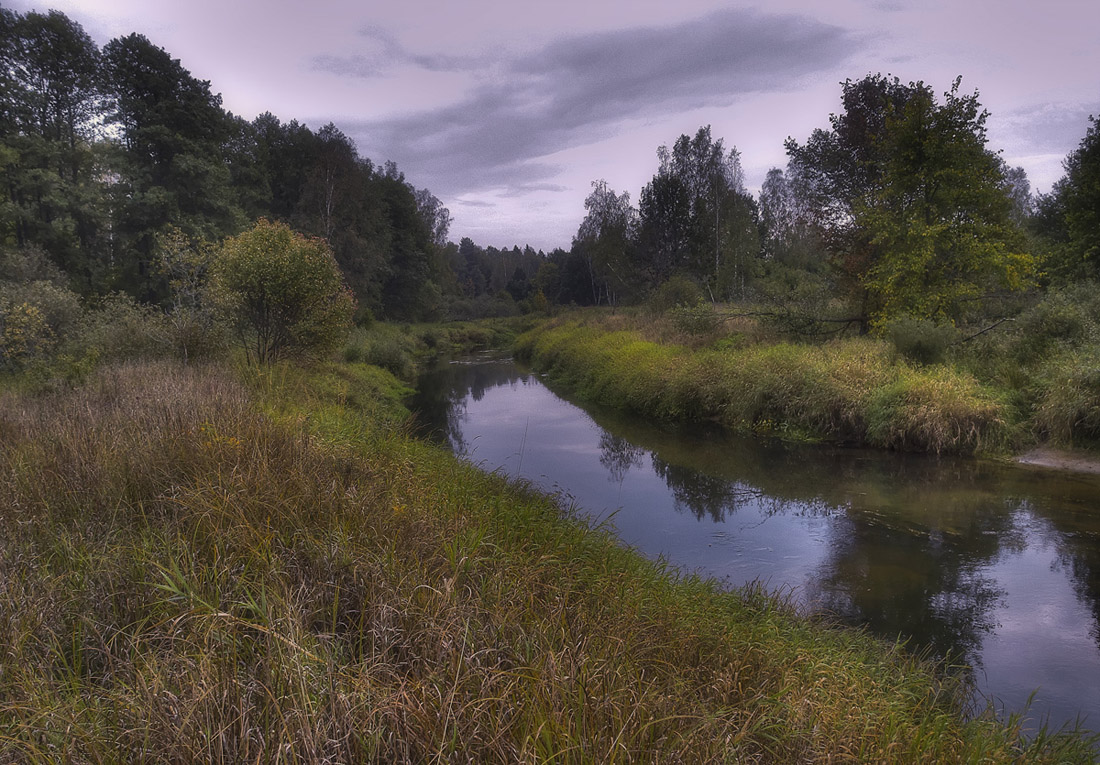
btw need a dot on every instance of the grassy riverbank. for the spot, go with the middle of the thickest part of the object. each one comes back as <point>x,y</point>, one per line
<point>855,390</point>
<point>197,567</point>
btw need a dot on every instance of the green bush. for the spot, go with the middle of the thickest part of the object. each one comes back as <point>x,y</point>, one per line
<point>391,354</point>
<point>1061,320</point>
<point>677,291</point>
<point>25,335</point>
<point>282,292</point>
<point>920,340</point>
<point>697,319</point>
<point>119,328</point>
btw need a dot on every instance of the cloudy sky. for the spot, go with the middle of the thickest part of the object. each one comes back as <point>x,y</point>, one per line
<point>508,109</point>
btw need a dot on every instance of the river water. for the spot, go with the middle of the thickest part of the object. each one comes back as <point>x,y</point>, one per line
<point>992,565</point>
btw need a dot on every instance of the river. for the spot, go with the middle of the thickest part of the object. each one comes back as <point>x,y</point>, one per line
<point>996,567</point>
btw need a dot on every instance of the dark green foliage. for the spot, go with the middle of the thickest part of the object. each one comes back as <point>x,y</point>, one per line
<point>604,241</point>
<point>1068,220</point>
<point>920,340</point>
<point>698,318</point>
<point>174,159</point>
<point>915,209</point>
<point>173,166</point>
<point>677,291</point>
<point>695,217</point>
<point>50,100</point>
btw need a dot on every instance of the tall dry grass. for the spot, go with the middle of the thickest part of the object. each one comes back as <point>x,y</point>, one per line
<point>199,570</point>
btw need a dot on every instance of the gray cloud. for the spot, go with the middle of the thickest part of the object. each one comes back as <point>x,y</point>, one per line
<point>577,90</point>
<point>385,53</point>
<point>1050,128</point>
<point>528,188</point>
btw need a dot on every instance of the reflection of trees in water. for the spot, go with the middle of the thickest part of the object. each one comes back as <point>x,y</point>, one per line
<point>926,586</point>
<point>619,455</point>
<point>909,535</point>
<point>704,496</point>
<point>1084,565</point>
<point>439,405</point>
<point>1071,507</point>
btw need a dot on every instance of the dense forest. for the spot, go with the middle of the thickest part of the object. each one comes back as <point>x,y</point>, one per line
<point>897,209</point>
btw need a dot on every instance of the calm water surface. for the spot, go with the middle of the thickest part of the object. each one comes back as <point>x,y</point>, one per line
<point>994,565</point>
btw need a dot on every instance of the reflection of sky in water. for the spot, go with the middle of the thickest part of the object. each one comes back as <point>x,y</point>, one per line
<point>525,430</point>
<point>946,554</point>
<point>1044,635</point>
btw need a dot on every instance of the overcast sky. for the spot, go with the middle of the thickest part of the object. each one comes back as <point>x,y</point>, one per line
<point>508,110</point>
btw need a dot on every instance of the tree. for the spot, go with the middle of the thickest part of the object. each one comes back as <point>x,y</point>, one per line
<point>51,105</point>
<point>171,166</point>
<point>913,207</point>
<point>664,220</point>
<point>941,222</point>
<point>283,293</point>
<point>1081,199</point>
<point>695,216</point>
<point>603,239</point>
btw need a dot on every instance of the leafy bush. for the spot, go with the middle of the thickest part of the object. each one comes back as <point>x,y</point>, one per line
<point>385,346</point>
<point>697,319</point>
<point>25,335</point>
<point>60,306</point>
<point>920,340</point>
<point>677,291</point>
<point>119,328</point>
<point>1061,320</point>
<point>29,265</point>
<point>283,293</point>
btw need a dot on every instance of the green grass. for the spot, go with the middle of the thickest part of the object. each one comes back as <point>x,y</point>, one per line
<point>855,390</point>
<point>208,565</point>
<point>399,348</point>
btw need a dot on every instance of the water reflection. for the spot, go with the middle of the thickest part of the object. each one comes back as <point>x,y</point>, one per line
<point>991,565</point>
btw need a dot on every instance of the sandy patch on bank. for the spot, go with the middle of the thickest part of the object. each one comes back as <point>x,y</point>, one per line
<point>1061,459</point>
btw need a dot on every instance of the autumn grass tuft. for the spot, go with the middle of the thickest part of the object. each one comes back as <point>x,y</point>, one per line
<point>208,565</point>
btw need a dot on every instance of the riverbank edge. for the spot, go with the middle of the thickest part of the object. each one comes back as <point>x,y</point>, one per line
<point>851,392</point>
<point>227,515</point>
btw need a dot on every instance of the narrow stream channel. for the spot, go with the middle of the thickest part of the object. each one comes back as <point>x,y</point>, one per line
<point>993,565</point>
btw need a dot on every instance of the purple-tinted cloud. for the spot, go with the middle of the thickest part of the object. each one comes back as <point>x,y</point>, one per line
<point>577,90</point>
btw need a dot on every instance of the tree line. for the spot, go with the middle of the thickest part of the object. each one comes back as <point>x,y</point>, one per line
<point>897,208</point>
<point>104,150</point>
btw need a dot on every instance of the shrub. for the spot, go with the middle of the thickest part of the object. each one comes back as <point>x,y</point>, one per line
<point>677,291</point>
<point>29,265</point>
<point>119,328</point>
<point>697,319</point>
<point>1061,320</point>
<point>282,292</point>
<point>24,335</point>
<point>920,340</point>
